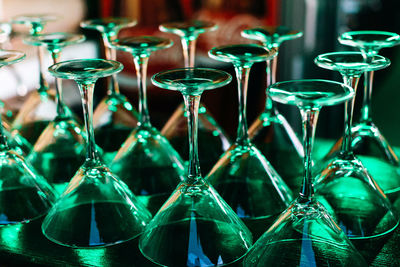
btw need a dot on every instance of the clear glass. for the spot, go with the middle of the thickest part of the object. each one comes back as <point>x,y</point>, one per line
<point>60,149</point>
<point>242,175</point>
<point>305,234</point>
<point>368,143</point>
<point>195,227</point>
<point>24,194</point>
<point>40,108</point>
<point>146,162</point>
<point>213,141</point>
<point>270,132</point>
<point>356,201</point>
<point>114,117</point>
<point>96,209</point>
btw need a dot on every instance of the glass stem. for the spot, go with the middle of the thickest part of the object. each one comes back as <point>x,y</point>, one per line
<point>43,85</point>
<point>141,73</point>
<point>271,79</point>
<point>189,48</point>
<point>55,54</point>
<point>113,87</point>
<point>192,103</point>
<point>348,116</point>
<point>35,30</point>
<point>86,89</point>
<point>366,105</point>
<point>3,140</point>
<point>309,116</point>
<point>242,75</point>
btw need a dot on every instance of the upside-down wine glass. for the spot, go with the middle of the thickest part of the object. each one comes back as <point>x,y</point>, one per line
<point>147,162</point>
<point>39,109</point>
<point>212,139</point>
<point>60,149</point>
<point>353,198</point>
<point>270,132</point>
<point>96,209</point>
<point>305,233</point>
<point>24,194</point>
<point>114,117</point>
<point>195,227</point>
<point>15,141</point>
<point>368,143</point>
<point>243,176</point>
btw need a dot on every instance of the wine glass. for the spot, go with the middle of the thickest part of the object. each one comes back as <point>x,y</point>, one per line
<point>24,194</point>
<point>213,141</point>
<point>195,227</point>
<point>146,162</point>
<point>114,117</point>
<point>96,209</point>
<point>368,143</point>
<point>60,149</point>
<point>305,234</point>
<point>354,198</point>
<point>39,109</point>
<point>243,176</point>
<point>270,132</point>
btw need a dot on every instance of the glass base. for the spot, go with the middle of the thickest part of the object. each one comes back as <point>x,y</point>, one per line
<point>59,152</point>
<point>376,155</point>
<point>304,235</point>
<point>36,113</point>
<point>149,165</point>
<point>249,184</point>
<point>113,120</point>
<point>195,227</point>
<point>95,210</point>
<point>24,195</point>
<point>212,140</point>
<point>275,138</point>
<point>354,199</point>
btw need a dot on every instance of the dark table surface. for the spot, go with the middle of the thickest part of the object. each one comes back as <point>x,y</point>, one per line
<point>25,245</point>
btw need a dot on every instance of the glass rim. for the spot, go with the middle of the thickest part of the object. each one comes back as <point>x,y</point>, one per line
<point>116,67</point>
<point>340,98</point>
<point>177,86</point>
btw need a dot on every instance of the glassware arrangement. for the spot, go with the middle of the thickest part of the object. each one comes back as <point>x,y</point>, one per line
<point>195,227</point>
<point>96,209</point>
<point>270,132</point>
<point>213,140</point>
<point>24,194</point>
<point>354,198</point>
<point>60,149</point>
<point>114,117</point>
<point>368,143</point>
<point>39,109</point>
<point>146,162</point>
<point>243,176</point>
<point>305,234</point>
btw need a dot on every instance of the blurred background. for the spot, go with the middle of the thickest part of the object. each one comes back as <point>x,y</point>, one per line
<point>321,21</point>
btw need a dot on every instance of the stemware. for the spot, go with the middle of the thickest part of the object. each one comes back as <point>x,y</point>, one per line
<point>305,234</point>
<point>354,198</point>
<point>39,109</point>
<point>114,117</point>
<point>368,143</point>
<point>146,162</point>
<point>195,227</point>
<point>60,149</point>
<point>243,176</point>
<point>24,194</point>
<point>213,141</point>
<point>96,209</point>
<point>270,132</point>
